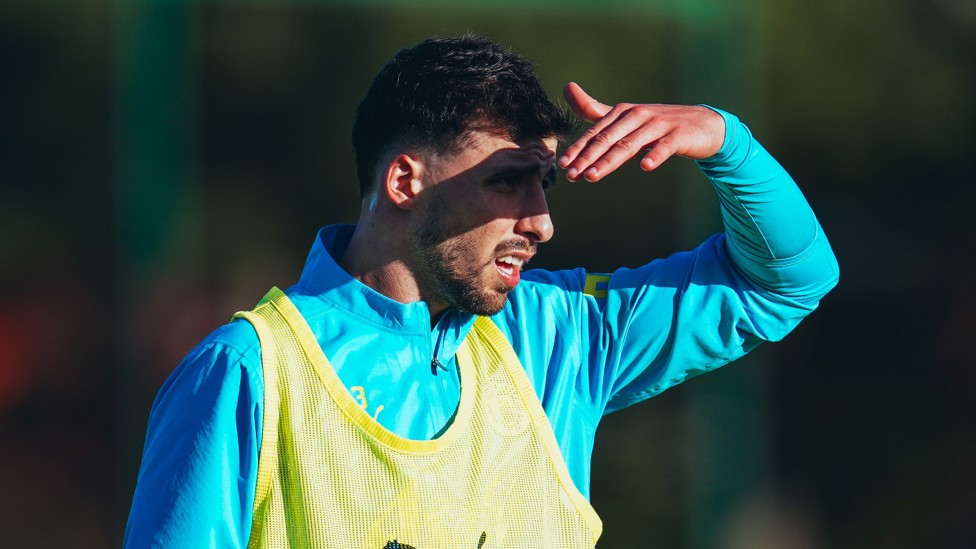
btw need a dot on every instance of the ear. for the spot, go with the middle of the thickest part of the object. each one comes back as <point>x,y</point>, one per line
<point>404,180</point>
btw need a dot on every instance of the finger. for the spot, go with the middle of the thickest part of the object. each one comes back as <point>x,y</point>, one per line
<point>586,107</point>
<point>589,109</point>
<point>660,150</point>
<point>569,155</point>
<point>622,139</point>
<point>643,137</point>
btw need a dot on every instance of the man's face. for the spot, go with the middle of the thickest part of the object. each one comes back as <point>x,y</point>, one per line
<point>480,219</point>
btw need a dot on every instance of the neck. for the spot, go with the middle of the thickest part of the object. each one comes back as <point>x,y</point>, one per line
<point>377,257</point>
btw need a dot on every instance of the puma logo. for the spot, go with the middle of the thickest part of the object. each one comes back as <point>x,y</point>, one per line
<point>397,545</point>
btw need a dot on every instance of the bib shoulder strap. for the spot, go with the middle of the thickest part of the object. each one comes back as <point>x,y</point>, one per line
<point>264,317</point>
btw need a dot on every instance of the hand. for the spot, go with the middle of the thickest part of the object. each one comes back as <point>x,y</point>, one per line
<point>620,132</point>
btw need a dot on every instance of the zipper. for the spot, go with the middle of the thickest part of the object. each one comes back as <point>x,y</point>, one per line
<point>435,363</point>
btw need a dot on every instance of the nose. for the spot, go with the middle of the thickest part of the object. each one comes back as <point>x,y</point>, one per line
<point>535,223</point>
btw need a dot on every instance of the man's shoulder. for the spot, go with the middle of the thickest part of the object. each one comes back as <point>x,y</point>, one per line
<point>237,336</point>
<point>542,281</point>
<point>228,360</point>
<point>542,300</point>
<point>571,285</point>
<point>231,346</point>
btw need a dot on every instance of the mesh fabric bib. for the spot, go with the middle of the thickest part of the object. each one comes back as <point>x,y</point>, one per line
<point>330,476</point>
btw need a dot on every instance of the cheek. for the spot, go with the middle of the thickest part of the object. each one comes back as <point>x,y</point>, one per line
<point>484,224</point>
<point>471,252</point>
<point>490,233</point>
<point>498,213</point>
<point>481,219</point>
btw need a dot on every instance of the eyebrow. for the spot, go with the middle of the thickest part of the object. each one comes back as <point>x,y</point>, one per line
<point>548,180</point>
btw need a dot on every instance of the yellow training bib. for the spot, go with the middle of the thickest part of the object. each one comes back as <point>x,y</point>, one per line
<point>330,476</point>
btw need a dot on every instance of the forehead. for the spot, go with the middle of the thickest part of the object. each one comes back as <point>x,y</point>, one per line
<point>489,150</point>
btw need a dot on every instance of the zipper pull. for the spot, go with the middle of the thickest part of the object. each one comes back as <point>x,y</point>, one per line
<point>435,364</point>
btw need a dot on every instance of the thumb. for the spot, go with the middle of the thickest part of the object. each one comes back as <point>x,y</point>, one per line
<point>586,107</point>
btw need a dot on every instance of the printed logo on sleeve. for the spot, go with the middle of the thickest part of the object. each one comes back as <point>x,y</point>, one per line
<point>596,285</point>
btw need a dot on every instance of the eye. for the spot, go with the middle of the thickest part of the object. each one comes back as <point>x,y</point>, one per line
<point>507,183</point>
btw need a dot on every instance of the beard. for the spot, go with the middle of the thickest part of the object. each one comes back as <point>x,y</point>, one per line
<point>450,269</point>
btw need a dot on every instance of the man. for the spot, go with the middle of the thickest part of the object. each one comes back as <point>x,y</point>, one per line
<point>417,387</point>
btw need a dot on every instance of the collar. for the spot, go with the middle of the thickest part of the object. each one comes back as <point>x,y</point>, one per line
<point>323,278</point>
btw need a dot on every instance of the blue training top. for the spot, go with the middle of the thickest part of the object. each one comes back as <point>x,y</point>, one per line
<point>590,344</point>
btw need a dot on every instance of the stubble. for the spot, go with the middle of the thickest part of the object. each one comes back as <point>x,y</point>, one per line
<point>449,264</point>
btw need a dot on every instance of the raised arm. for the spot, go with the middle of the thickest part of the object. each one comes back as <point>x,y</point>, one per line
<point>671,319</point>
<point>769,224</point>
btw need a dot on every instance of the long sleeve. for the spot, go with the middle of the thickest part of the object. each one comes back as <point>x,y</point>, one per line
<point>695,311</point>
<point>196,482</point>
<point>774,238</point>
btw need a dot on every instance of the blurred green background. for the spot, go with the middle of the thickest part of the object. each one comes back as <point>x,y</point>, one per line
<point>163,163</point>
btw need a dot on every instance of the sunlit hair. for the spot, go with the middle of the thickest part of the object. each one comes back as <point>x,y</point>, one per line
<point>431,96</point>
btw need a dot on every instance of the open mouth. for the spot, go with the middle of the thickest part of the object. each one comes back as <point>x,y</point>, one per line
<point>510,268</point>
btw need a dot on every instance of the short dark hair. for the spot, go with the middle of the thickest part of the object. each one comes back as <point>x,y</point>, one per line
<point>436,93</point>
